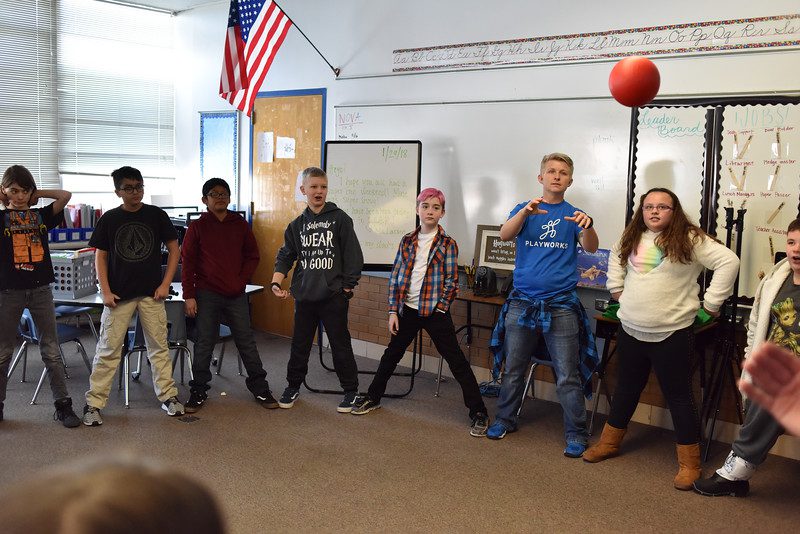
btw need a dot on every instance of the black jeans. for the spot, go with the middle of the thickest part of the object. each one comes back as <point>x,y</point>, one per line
<point>333,314</point>
<point>211,309</point>
<point>670,361</point>
<point>440,327</point>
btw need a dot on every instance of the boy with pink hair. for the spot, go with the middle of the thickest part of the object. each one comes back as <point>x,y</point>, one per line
<point>422,287</point>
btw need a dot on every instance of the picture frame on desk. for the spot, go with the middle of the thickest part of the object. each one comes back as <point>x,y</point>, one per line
<point>491,251</point>
<point>593,268</point>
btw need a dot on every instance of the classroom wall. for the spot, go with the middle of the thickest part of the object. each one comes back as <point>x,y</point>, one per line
<point>359,36</point>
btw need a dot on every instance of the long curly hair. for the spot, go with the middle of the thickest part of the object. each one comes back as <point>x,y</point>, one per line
<point>677,240</point>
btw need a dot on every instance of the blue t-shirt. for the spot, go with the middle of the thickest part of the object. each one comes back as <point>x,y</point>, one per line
<point>547,253</point>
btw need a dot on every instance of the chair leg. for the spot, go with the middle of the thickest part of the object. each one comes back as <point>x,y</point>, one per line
<point>39,386</point>
<point>528,385</point>
<point>594,404</point>
<point>221,357</point>
<point>126,365</point>
<point>91,326</point>
<point>85,356</point>
<point>63,362</point>
<point>239,363</point>
<point>22,353</point>
<point>439,378</point>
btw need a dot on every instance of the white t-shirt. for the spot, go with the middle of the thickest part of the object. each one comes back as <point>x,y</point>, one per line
<point>424,242</point>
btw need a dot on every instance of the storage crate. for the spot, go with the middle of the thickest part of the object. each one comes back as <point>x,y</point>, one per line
<point>75,274</point>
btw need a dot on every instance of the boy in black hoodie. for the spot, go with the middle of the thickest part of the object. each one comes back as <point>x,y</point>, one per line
<point>329,262</point>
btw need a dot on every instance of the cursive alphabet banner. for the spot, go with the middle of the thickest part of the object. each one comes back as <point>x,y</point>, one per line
<point>697,38</point>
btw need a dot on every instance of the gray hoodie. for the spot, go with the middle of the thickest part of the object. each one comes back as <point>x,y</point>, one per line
<point>327,253</point>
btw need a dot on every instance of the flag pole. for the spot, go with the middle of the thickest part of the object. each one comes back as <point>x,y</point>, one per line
<point>335,70</point>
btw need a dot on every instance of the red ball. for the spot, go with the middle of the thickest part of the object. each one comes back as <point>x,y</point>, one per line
<point>634,81</point>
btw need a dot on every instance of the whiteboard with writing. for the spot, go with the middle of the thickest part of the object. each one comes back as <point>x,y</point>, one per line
<point>376,183</point>
<point>485,156</point>
<point>760,172</point>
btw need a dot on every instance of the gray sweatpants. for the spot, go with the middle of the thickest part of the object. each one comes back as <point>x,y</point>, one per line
<point>758,434</point>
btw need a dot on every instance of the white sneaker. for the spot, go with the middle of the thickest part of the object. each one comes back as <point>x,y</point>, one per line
<point>173,407</point>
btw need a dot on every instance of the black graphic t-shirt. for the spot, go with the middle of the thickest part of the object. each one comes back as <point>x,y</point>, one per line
<point>133,242</point>
<point>24,252</point>
<point>784,317</point>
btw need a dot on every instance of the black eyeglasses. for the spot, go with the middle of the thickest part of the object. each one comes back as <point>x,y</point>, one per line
<point>131,188</point>
<point>215,194</point>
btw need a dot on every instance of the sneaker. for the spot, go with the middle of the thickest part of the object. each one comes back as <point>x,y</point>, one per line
<point>717,486</point>
<point>65,414</point>
<point>364,405</point>
<point>289,396</point>
<point>91,416</point>
<point>498,430</point>
<point>479,425</point>
<point>346,406</point>
<point>574,449</point>
<point>172,406</point>
<point>267,400</point>
<point>196,401</point>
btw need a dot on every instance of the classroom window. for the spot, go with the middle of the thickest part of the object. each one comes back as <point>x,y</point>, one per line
<point>116,94</point>
<point>28,126</point>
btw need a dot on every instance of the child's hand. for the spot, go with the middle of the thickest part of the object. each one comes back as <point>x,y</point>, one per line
<point>279,292</point>
<point>394,324</point>
<point>35,196</point>
<point>110,300</point>
<point>581,219</point>
<point>190,307</point>
<point>161,292</point>
<point>533,207</point>
<point>3,198</point>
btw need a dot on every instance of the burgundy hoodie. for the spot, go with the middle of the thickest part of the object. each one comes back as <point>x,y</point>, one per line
<point>219,256</point>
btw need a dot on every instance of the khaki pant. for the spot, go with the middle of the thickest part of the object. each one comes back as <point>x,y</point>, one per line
<point>114,329</point>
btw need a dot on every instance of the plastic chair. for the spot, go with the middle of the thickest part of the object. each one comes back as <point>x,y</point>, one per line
<point>77,311</point>
<point>30,336</point>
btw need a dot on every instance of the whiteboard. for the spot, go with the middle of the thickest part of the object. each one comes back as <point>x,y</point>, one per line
<point>670,153</point>
<point>376,183</point>
<point>485,156</point>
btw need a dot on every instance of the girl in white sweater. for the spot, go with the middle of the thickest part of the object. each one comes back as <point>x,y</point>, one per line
<point>653,273</point>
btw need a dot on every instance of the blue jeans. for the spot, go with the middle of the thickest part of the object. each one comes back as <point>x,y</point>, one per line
<point>39,301</point>
<point>563,345</point>
<point>213,308</point>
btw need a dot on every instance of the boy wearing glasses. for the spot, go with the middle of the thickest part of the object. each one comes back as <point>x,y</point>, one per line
<point>128,241</point>
<point>219,255</point>
<point>544,306</point>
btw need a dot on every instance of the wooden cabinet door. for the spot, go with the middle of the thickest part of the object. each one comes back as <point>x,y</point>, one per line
<point>299,117</point>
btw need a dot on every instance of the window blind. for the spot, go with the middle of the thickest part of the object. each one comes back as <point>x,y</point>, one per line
<point>115,89</point>
<point>28,125</point>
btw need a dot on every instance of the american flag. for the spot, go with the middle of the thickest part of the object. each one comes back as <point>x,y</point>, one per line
<point>256,30</point>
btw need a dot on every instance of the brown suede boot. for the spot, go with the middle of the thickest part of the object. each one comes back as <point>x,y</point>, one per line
<point>689,466</point>
<point>607,447</point>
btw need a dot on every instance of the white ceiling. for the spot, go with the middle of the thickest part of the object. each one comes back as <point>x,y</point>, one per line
<point>174,5</point>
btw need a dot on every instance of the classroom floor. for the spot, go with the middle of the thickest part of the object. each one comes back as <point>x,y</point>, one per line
<point>409,467</point>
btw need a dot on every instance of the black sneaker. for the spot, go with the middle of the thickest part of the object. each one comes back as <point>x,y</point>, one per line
<point>479,425</point>
<point>717,486</point>
<point>364,405</point>
<point>289,396</point>
<point>1,411</point>
<point>267,400</point>
<point>196,401</point>
<point>346,406</point>
<point>65,414</point>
